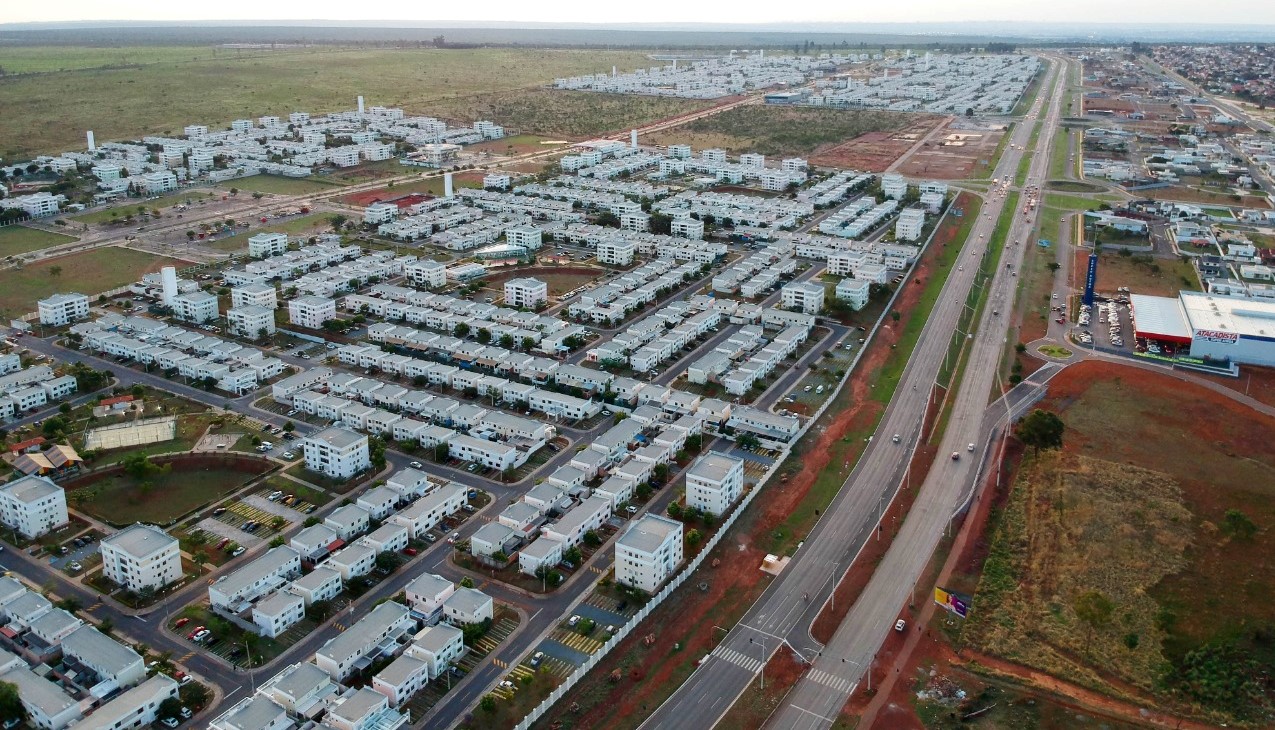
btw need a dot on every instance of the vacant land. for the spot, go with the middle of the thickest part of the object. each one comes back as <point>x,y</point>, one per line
<point>1197,195</point>
<point>780,130</point>
<point>281,185</point>
<point>1141,273</point>
<point>131,206</point>
<point>1137,561</point>
<point>956,153</point>
<point>301,225</point>
<point>46,59</point>
<point>88,272</point>
<point>570,114</point>
<point>119,103</point>
<point>20,239</point>
<point>158,499</point>
<point>429,186</point>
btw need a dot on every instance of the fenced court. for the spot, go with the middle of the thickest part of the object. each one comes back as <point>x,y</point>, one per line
<point>139,433</point>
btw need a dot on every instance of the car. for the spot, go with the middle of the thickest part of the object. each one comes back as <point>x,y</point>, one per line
<point>631,509</point>
<point>169,722</point>
<point>568,565</point>
<point>75,566</point>
<point>293,412</point>
<point>185,680</point>
<point>452,538</point>
<point>956,456</point>
<point>410,551</point>
<point>900,625</point>
<point>970,448</point>
<point>289,455</point>
<point>431,537</point>
<point>415,465</point>
<point>186,713</point>
<point>807,389</point>
<point>896,438</point>
<point>181,622</point>
<point>471,468</point>
<point>1054,295</point>
<point>536,659</point>
<point>238,551</point>
<point>469,508</point>
<point>575,619</point>
<point>819,389</point>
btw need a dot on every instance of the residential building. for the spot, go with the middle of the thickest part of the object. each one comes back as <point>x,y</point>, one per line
<point>141,557</point>
<point>251,322</point>
<point>438,646</point>
<point>467,606</point>
<point>265,245</point>
<point>302,690</point>
<point>110,660</point>
<point>854,291</point>
<point>714,482</point>
<point>196,307</point>
<point>61,309</point>
<point>648,553</point>
<point>254,295</point>
<point>311,311</point>
<point>616,251</point>
<point>337,452</point>
<point>277,613</point>
<point>38,205</point>
<point>427,593</point>
<point>138,707</point>
<point>254,712</point>
<point>802,296</point>
<point>909,225</point>
<point>528,237</point>
<point>526,293</point>
<point>349,521</point>
<point>687,227</point>
<point>349,651</point>
<point>232,592</point>
<point>32,505</point>
<point>47,706</point>
<point>584,517</point>
<point>320,584</point>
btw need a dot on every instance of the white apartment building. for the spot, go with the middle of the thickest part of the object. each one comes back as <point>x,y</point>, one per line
<point>687,227</point>
<point>909,225</point>
<point>571,528</point>
<point>527,237</point>
<point>491,454</point>
<point>467,606</point>
<point>311,311</point>
<point>427,593</point>
<point>61,309</point>
<point>616,251</point>
<point>714,482</point>
<point>251,322</point>
<point>497,181</point>
<point>804,296</point>
<point>427,273</point>
<point>340,655</point>
<point>648,553</point>
<point>141,557</point>
<point>32,505</point>
<point>265,245</point>
<point>196,307</point>
<point>526,293</point>
<point>38,205</point>
<point>378,213</point>
<point>438,646</point>
<point>854,291</point>
<point>320,584</point>
<point>254,295</point>
<point>261,576</point>
<point>277,613</point>
<point>138,707</point>
<point>337,452</point>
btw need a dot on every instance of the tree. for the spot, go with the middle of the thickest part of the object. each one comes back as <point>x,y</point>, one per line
<point>171,707</point>
<point>488,704</point>
<point>337,221</point>
<point>258,195</point>
<point>1237,524</point>
<point>234,191</point>
<point>278,541</point>
<point>572,555</point>
<point>675,510</point>
<point>747,441</point>
<point>1094,609</point>
<point>461,330</point>
<point>289,426</point>
<point>693,537</point>
<point>11,708</point>
<point>193,694</point>
<point>1041,430</point>
<point>386,561</point>
<point>466,582</point>
<point>55,271</point>
<point>528,343</point>
<point>138,391</point>
<point>507,341</point>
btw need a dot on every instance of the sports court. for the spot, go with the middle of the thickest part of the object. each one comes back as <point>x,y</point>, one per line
<point>137,433</point>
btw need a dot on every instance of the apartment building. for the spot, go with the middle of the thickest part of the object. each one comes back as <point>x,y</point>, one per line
<point>526,293</point>
<point>648,553</point>
<point>491,454</point>
<point>854,291</point>
<point>586,516</point>
<point>687,227</point>
<point>265,245</point>
<point>251,322</point>
<point>467,606</point>
<point>232,592</point>
<point>344,654</point>
<point>110,660</point>
<point>426,272</point>
<point>714,482</point>
<point>803,296</point>
<point>909,225</point>
<point>47,706</point>
<point>320,584</point>
<point>141,557</point>
<point>311,311</point>
<point>277,613</point>
<point>254,295</point>
<point>61,309</point>
<point>196,307</point>
<point>337,452</point>
<point>301,689</point>
<point>438,646</point>
<point>616,251</point>
<point>348,521</point>
<point>32,505</point>
<point>427,593</point>
<point>138,707</point>
<point>422,515</point>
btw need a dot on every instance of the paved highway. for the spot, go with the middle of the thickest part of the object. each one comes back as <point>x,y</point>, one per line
<point>786,609</point>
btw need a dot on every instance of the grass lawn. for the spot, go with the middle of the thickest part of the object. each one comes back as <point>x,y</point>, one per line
<point>88,272</point>
<point>280,185</point>
<point>130,205</point>
<point>1075,202</point>
<point>119,103</point>
<point>49,59</point>
<point>781,130</point>
<point>161,499</point>
<point>306,224</point>
<point>1058,168</point>
<point>20,239</point>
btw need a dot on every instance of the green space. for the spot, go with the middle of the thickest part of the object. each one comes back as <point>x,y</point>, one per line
<point>1075,202</point>
<point>430,186</point>
<point>279,185</point>
<point>19,59</point>
<point>784,130</point>
<point>59,106</point>
<point>571,114</point>
<point>1073,186</point>
<point>16,240</point>
<point>311,223</point>
<point>130,206</point>
<point>160,496</point>
<point>1054,351</point>
<point>1145,274</point>
<point>1058,167</point>
<point>89,272</point>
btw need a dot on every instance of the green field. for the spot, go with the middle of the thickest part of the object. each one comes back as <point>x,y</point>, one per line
<point>120,104</point>
<point>46,59</point>
<point>130,205</point>
<point>781,130</point>
<point>280,185</point>
<point>312,223</point>
<point>88,272</point>
<point>160,499</point>
<point>20,239</point>
<point>572,114</point>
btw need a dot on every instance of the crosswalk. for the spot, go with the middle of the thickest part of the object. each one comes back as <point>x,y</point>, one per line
<point>828,679</point>
<point>186,657</point>
<point>596,569</point>
<point>752,664</point>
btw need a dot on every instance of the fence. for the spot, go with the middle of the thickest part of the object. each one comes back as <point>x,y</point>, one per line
<point>679,579</point>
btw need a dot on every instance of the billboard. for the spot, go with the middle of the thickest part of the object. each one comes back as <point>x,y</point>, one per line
<point>956,603</point>
<point>1091,277</point>
<point>1219,336</point>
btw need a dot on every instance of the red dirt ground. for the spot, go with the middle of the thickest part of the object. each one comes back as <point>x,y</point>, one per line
<point>738,578</point>
<point>367,197</point>
<point>874,151</point>
<point>937,161</point>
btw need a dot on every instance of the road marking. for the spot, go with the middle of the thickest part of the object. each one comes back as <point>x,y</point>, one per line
<point>828,720</point>
<point>828,679</point>
<point>751,664</point>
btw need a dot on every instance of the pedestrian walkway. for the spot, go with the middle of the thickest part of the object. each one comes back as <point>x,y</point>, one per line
<point>751,664</point>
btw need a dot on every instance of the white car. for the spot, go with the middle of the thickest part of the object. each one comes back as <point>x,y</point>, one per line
<point>415,465</point>
<point>900,625</point>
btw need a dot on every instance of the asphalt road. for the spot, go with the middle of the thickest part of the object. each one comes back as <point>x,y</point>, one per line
<point>784,613</point>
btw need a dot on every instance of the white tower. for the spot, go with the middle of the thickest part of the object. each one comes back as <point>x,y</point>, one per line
<point>675,64</point>
<point>168,275</point>
<point>92,144</point>
<point>613,71</point>
<point>447,185</point>
<point>633,138</point>
<point>360,105</point>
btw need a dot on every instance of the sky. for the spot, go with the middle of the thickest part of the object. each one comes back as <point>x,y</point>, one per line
<point>1256,12</point>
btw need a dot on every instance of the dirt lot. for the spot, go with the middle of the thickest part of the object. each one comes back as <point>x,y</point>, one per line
<point>1194,195</point>
<point>954,153</point>
<point>560,279</point>
<point>429,186</point>
<point>873,151</point>
<point>1159,277</point>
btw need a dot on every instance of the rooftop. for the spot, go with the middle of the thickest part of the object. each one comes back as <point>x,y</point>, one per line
<point>30,488</point>
<point>647,534</point>
<point>437,638</point>
<point>141,541</point>
<point>713,467</point>
<point>337,437</point>
<point>89,645</point>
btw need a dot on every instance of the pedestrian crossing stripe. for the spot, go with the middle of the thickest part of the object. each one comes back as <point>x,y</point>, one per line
<point>597,570</point>
<point>186,658</point>
<point>828,679</point>
<point>752,664</point>
<point>339,627</point>
<point>500,663</point>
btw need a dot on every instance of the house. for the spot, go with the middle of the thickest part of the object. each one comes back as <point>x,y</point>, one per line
<point>909,225</point>
<point>313,543</point>
<point>110,660</point>
<point>302,690</point>
<point>427,593</point>
<point>138,707</point>
<point>352,649</point>
<point>353,561</point>
<point>541,553</point>
<point>141,558</point>
<point>32,505</point>
<point>390,537</point>
<point>714,482</point>
<point>402,678</point>
<point>526,293</point>
<point>648,553</point>
<point>320,584</point>
<point>409,483</point>
<point>467,606</point>
<point>61,309</point>
<point>547,498</point>
<point>490,539</point>
<point>277,613</point>
<point>587,516</point>
<point>348,521</point>
<point>337,452</point>
<point>232,592</point>
<point>254,712</point>
<point>491,454</point>
<point>46,704</point>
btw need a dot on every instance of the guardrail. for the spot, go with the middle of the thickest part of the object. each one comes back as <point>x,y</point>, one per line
<point>678,580</point>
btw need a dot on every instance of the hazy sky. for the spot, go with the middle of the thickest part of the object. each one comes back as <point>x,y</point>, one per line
<point>664,11</point>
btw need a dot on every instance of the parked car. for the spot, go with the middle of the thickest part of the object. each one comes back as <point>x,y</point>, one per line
<point>238,551</point>
<point>181,622</point>
<point>573,621</point>
<point>169,722</point>
<point>409,551</point>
